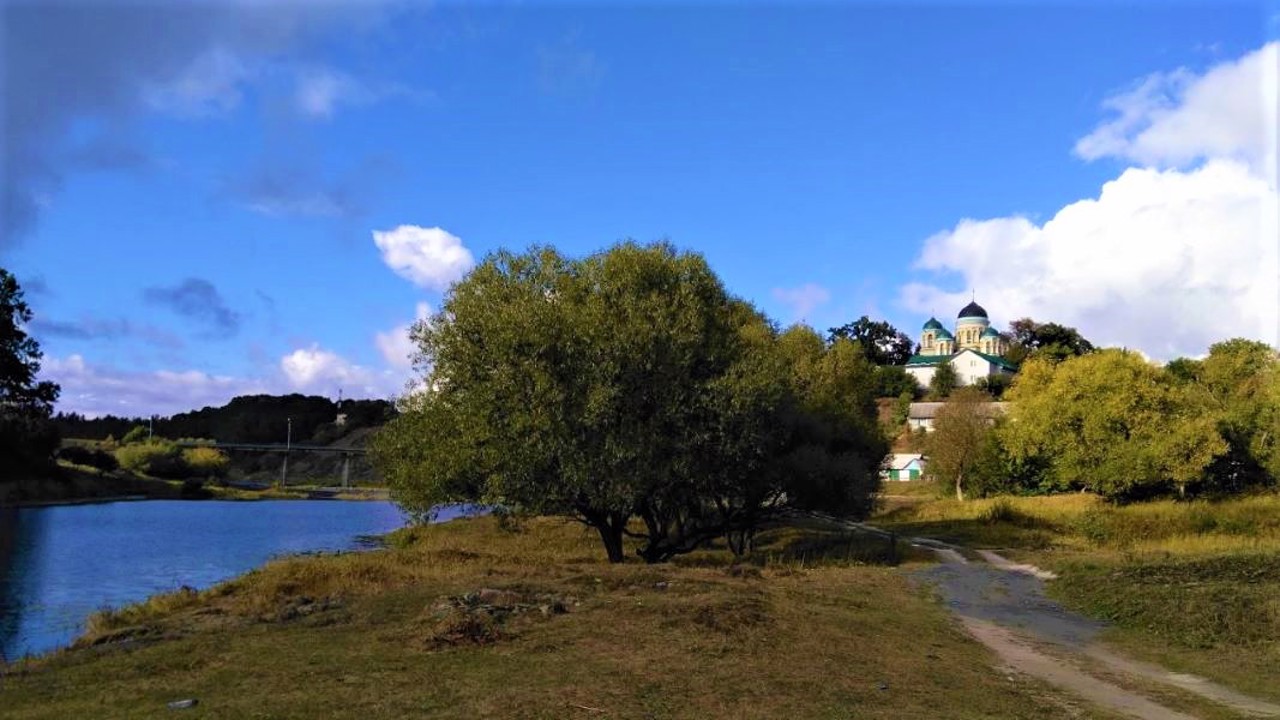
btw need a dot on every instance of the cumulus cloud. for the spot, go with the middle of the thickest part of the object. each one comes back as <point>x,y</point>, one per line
<point>1176,118</point>
<point>431,258</point>
<point>96,390</point>
<point>1164,260</point>
<point>802,300</point>
<point>1176,253</point>
<point>197,299</point>
<point>315,369</point>
<point>396,346</point>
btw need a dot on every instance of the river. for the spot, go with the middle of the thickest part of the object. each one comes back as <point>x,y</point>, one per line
<point>60,564</point>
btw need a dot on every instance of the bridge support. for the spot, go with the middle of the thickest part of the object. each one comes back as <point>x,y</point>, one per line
<point>346,471</point>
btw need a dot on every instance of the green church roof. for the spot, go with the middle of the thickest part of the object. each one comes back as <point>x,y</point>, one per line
<point>991,332</point>
<point>933,324</point>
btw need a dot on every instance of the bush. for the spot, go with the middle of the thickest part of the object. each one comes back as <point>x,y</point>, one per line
<point>159,458</point>
<point>205,461</point>
<point>92,457</point>
<point>136,435</point>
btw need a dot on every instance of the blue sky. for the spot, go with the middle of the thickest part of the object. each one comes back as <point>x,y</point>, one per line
<point>192,190</point>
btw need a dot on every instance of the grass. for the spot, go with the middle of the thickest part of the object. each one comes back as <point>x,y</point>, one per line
<point>1194,586</point>
<point>468,620</point>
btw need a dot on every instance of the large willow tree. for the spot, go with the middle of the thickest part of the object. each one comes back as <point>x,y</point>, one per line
<point>625,385</point>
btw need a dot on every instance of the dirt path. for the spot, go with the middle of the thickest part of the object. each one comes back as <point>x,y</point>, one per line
<point>1003,605</point>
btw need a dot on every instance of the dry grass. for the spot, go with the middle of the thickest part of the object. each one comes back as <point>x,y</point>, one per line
<point>1192,585</point>
<point>450,623</point>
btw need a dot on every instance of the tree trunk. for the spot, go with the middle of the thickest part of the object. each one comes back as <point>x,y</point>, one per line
<point>612,538</point>
<point>960,486</point>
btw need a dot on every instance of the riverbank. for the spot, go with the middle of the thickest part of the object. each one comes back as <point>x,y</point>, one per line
<point>466,619</point>
<point>1191,586</point>
<point>78,485</point>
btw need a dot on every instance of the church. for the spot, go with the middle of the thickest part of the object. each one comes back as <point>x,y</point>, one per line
<point>974,351</point>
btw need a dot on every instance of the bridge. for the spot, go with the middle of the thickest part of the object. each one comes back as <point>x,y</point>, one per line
<point>286,448</point>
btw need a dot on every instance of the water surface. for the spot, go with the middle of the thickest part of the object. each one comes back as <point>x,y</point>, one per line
<point>60,564</point>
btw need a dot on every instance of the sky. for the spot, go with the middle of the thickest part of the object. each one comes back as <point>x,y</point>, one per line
<point>208,199</point>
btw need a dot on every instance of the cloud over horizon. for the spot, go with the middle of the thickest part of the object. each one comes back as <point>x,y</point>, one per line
<point>1177,252</point>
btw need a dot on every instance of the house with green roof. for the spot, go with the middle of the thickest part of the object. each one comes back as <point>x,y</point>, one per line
<point>974,350</point>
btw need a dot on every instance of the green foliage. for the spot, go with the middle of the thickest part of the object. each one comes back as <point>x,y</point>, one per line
<point>205,461</point>
<point>629,385</point>
<point>136,434</point>
<point>27,438</point>
<point>1109,422</point>
<point>943,382</point>
<point>1050,341</point>
<point>91,457</point>
<point>963,451</point>
<point>893,381</point>
<point>157,457</point>
<point>882,343</point>
<point>994,385</point>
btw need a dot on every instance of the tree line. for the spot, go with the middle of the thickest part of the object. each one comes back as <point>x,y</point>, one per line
<point>1116,424</point>
<point>245,419</point>
<point>629,391</point>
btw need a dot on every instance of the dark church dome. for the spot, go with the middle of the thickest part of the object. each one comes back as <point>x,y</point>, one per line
<point>972,310</point>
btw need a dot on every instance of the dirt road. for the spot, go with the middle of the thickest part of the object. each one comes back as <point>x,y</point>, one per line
<point>1003,605</point>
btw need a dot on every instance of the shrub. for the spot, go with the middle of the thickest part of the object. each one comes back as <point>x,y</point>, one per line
<point>136,435</point>
<point>158,457</point>
<point>205,461</point>
<point>92,457</point>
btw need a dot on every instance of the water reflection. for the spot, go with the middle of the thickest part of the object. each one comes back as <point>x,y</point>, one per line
<point>20,534</point>
<point>58,565</point>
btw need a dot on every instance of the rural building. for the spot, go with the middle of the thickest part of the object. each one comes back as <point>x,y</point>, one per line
<point>973,351</point>
<point>903,466</point>
<point>920,415</point>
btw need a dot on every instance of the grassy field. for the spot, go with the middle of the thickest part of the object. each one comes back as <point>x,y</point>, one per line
<point>1194,586</point>
<point>468,620</point>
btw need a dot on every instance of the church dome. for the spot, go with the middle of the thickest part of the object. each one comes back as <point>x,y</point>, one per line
<point>973,310</point>
<point>944,334</point>
<point>933,324</point>
<point>990,333</point>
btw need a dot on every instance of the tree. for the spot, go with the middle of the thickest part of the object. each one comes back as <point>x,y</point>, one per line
<point>882,343</point>
<point>1028,338</point>
<point>1109,422</point>
<point>943,382</point>
<point>628,386</point>
<point>962,448</point>
<point>894,380</point>
<point>562,387</point>
<point>27,437</point>
<point>1235,381</point>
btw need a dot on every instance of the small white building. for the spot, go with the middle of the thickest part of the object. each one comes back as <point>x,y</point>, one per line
<point>903,466</point>
<point>921,415</point>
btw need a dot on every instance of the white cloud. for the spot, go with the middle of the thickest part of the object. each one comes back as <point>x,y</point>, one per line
<point>1176,118</point>
<point>802,300</point>
<point>429,257</point>
<point>396,346</point>
<point>1174,254</point>
<point>97,390</point>
<point>1168,261</point>
<point>319,91</point>
<point>209,85</point>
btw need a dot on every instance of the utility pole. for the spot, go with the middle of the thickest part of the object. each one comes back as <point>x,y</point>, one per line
<point>150,419</point>
<point>288,443</point>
